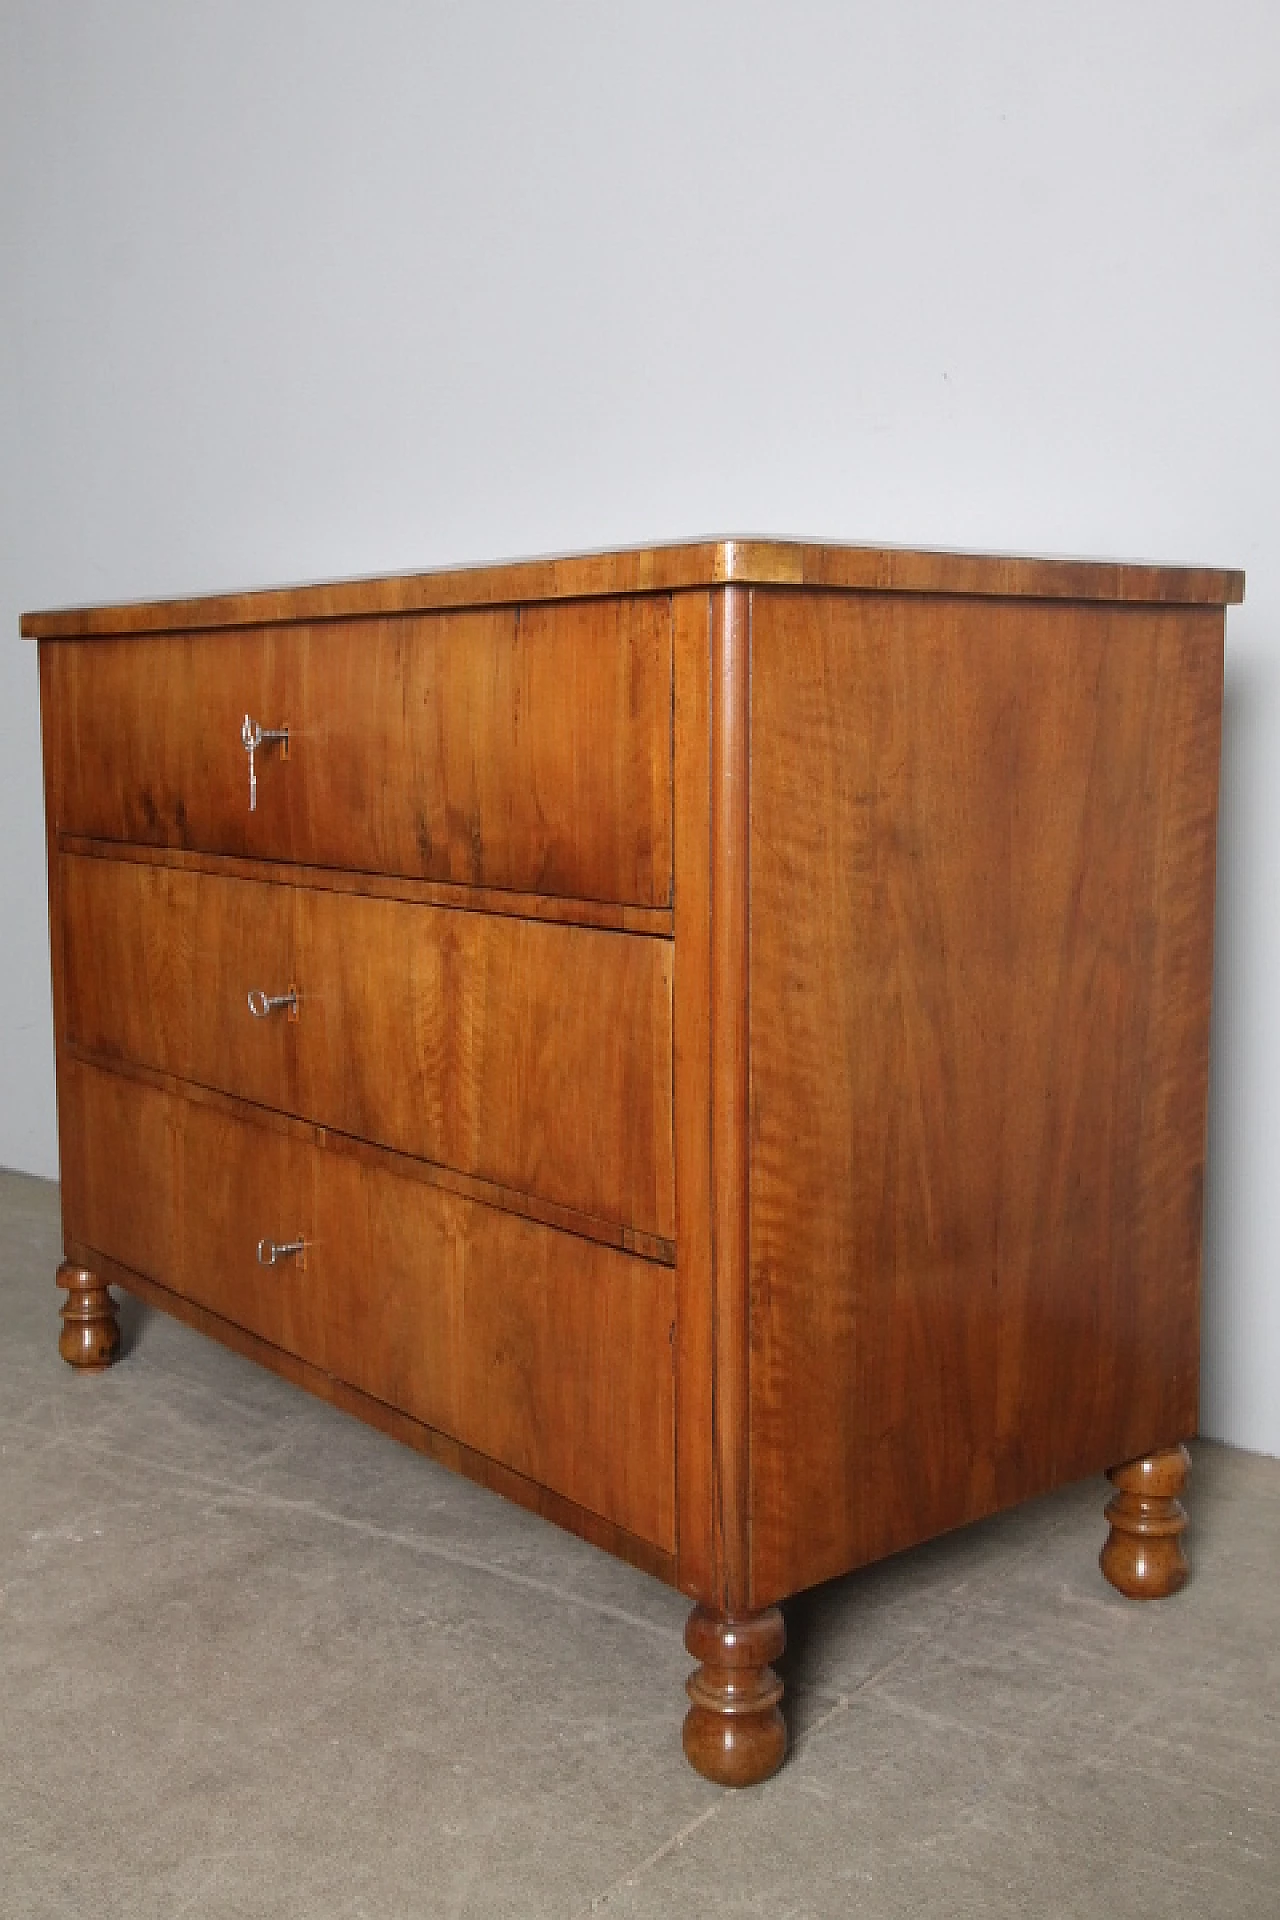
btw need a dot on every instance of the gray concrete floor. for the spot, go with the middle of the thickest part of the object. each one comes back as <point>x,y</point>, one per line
<point>257,1660</point>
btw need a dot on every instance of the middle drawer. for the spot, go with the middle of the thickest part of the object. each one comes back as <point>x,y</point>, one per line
<point>533,1055</point>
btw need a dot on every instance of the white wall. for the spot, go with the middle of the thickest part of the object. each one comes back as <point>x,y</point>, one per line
<point>295,288</point>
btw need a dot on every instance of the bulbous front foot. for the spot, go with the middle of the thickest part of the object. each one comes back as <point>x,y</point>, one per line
<point>90,1337</point>
<point>734,1732</point>
<point>1143,1556</point>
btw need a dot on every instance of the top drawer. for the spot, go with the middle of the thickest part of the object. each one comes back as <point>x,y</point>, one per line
<point>521,748</point>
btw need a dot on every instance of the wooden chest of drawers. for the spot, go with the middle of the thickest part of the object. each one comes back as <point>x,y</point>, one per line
<point>709,1040</point>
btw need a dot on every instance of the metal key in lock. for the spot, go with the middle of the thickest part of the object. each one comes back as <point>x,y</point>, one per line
<point>271,1252</point>
<point>261,1004</point>
<point>252,738</point>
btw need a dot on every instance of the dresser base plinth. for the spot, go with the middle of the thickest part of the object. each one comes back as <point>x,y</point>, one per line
<point>90,1337</point>
<point>734,1732</point>
<point>1143,1557</point>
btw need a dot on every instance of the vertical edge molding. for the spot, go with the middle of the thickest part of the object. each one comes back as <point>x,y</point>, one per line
<point>691,1102</point>
<point>711,905</point>
<point>730,1111</point>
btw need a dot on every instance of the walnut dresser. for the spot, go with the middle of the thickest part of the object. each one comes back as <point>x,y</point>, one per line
<point>710,1041</point>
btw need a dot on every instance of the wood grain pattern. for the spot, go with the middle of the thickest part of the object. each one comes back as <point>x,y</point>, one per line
<point>982,844</point>
<point>546,1353</point>
<point>500,749</point>
<point>734,1732</point>
<point>611,915</point>
<point>695,1315</point>
<point>397,1425</point>
<point>533,1056</point>
<point>730,1170</point>
<point>1143,1557</point>
<point>660,569</point>
<point>403,1166</point>
<point>90,1337</point>
<point>747,1097</point>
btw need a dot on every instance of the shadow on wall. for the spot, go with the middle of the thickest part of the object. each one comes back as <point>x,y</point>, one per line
<point>1243,1008</point>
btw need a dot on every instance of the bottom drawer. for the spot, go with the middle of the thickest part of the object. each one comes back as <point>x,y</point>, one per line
<point>545,1352</point>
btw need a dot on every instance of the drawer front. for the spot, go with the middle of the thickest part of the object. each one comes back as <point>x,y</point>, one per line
<point>527,749</point>
<point>533,1055</point>
<point>543,1351</point>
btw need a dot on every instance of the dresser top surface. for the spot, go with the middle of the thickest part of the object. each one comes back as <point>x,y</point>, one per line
<point>631,570</point>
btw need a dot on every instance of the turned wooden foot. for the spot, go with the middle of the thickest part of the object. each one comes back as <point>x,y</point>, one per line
<point>734,1732</point>
<point>90,1337</point>
<point>1143,1557</point>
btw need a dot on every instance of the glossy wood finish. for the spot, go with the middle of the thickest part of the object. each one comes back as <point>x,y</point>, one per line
<point>982,858</point>
<point>730,901</point>
<point>499,748</point>
<point>90,1337</point>
<point>392,1421</point>
<point>661,569</point>
<point>1143,1557</point>
<point>533,1056</point>
<point>734,1732</point>
<point>697,1477</point>
<point>555,909</point>
<point>544,1352</point>
<point>402,1166</point>
<point>747,1100</point>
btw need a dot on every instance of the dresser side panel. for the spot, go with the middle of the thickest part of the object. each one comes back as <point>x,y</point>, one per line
<point>982,849</point>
